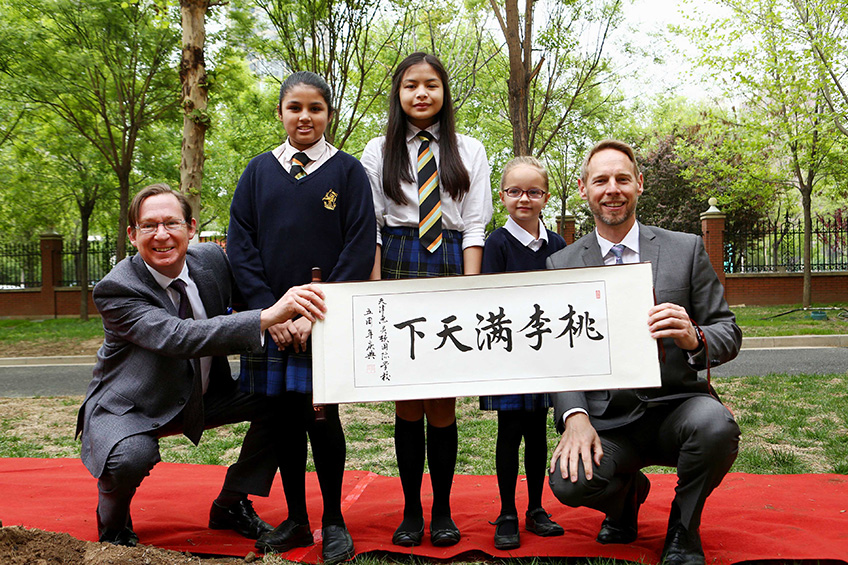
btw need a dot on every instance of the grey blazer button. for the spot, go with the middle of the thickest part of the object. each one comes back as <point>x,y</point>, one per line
<point>154,425</point>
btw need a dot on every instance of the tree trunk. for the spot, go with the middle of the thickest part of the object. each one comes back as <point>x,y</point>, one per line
<point>83,268</point>
<point>806,199</point>
<point>123,207</point>
<point>194,100</point>
<point>519,71</point>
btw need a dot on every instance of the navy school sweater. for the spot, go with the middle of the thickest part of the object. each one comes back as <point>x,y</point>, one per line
<point>281,227</point>
<point>503,253</point>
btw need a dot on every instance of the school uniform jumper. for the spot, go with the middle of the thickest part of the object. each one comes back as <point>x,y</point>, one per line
<point>280,228</point>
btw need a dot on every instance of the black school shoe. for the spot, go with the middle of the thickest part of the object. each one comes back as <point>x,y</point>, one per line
<point>284,537</point>
<point>337,546</point>
<point>444,532</point>
<point>539,522</point>
<point>239,517</point>
<point>506,532</point>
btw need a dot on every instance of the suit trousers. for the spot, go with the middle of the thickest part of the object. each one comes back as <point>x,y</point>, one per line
<point>698,435</point>
<point>132,459</point>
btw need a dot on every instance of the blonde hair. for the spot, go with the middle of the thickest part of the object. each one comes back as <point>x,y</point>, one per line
<point>529,161</point>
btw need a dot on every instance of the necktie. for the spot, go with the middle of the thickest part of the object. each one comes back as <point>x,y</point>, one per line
<point>299,162</point>
<point>193,410</point>
<point>429,201</point>
<point>617,250</point>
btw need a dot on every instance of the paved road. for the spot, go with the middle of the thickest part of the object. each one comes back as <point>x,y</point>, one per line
<point>64,380</point>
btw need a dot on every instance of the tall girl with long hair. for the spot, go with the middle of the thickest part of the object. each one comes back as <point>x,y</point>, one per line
<point>432,199</point>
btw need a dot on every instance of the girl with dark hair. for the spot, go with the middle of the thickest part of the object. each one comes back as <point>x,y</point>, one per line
<point>432,198</point>
<point>304,204</point>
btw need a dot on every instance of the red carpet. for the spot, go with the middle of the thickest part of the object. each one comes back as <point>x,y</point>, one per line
<point>748,518</point>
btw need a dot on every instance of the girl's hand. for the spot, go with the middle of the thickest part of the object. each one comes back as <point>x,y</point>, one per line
<point>281,334</point>
<point>300,330</point>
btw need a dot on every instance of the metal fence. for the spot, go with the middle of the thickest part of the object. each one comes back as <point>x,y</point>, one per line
<point>779,248</point>
<point>20,266</point>
<point>101,259</point>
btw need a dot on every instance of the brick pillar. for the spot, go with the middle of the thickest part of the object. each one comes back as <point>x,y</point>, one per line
<point>51,267</point>
<point>712,229</point>
<point>566,226</point>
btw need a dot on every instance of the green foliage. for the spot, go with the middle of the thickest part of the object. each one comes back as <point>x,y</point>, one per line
<point>102,71</point>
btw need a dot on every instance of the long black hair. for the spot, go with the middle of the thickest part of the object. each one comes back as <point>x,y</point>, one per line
<point>453,175</point>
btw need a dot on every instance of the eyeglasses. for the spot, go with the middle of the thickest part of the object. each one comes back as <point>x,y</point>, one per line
<point>532,194</point>
<point>172,226</point>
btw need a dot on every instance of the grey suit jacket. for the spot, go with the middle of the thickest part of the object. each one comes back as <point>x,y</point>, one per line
<point>682,275</point>
<point>142,378</point>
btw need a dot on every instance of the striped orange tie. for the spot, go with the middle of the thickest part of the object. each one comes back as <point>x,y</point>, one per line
<point>299,162</point>
<point>429,201</point>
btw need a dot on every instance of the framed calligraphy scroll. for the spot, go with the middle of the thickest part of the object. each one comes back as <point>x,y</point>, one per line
<point>507,333</point>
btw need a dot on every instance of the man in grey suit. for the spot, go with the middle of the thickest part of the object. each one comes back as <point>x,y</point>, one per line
<point>608,436</point>
<point>162,369</point>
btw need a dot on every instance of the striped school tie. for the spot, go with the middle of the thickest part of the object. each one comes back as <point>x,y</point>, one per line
<point>299,162</point>
<point>429,201</point>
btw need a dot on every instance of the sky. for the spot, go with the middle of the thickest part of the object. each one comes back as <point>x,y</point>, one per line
<point>646,25</point>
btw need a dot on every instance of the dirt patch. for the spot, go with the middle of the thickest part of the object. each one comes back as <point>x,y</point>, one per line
<point>42,347</point>
<point>20,546</point>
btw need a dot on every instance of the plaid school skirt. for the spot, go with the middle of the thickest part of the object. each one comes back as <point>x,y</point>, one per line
<point>526,402</point>
<point>276,372</point>
<point>403,256</point>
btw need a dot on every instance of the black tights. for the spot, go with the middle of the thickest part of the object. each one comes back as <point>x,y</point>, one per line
<point>512,426</point>
<point>297,419</point>
<point>441,447</point>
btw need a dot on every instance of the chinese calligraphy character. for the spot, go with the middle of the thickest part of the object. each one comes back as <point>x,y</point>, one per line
<point>412,333</point>
<point>448,333</point>
<point>575,328</point>
<point>537,322</point>
<point>495,332</point>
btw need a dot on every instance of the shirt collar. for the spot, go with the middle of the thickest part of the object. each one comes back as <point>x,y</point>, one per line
<point>165,281</point>
<point>630,241</point>
<point>314,152</point>
<point>412,131</point>
<point>523,236</point>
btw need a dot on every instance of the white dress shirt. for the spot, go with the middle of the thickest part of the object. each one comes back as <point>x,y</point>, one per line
<point>469,215</point>
<point>524,237</point>
<point>630,243</point>
<point>320,153</point>
<point>197,308</point>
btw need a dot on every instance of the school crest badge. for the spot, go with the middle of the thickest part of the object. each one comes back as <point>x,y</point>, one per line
<point>330,199</point>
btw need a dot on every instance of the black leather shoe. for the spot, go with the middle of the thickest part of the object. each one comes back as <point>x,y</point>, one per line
<point>406,535</point>
<point>119,536</point>
<point>506,532</point>
<point>626,528</point>
<point>284,537</point>
<point>240,517</point>
<point>683,547</point>
<point>539,522</point>
<point>125,537</point>
<point>444,533</point>
<point>338,545</point>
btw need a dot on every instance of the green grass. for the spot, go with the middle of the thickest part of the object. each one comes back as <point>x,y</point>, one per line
<point>759,321</point>
<point>750,319</point>
<point>790,424</point>
<point>15,331</point>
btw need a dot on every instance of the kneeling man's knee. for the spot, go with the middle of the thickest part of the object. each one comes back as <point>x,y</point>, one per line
<point>575,494</point>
